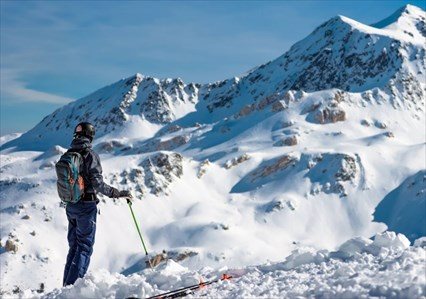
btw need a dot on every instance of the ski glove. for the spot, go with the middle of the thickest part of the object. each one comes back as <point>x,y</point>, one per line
<point>125,193</point>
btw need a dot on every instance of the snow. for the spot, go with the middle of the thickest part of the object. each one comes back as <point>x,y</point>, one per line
<point>403,209</point>
<point>295,219</point>
<point>305,273</point>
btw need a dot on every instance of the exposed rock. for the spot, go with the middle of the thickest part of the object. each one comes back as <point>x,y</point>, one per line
<point>288,141</point>
<point>237,160</point>
<point>160,169</point>
<point>329,115</point>
<point>26,217</point>
<point>339,96</point>
<point>174,128</point>
<point>246,110</point>
<point>221,226</point>
<point>173,143</point>
<point>134,180</point>
<point>203,168</point>
<point>221,94</point>
<point>274,206</point>
<point>331,172</point>
<point>389,134</point>
<point>158,144</point>
<point>347,170</point>
<point>41,289</point>
<point>156,260</point>
<point>109,146</point>
<point>279,106</point>
<point>269,100</point>
<point>16,290</point>
<point>33,233</point>
<point>287,124</point>
<point>172,255</point>
<point>366,123</point>
<point>11,246</point>
<point>379,124</point>
<point>154,174</point>
<point>278,205</point>
<point>184,255</point>
<point>274,166</point>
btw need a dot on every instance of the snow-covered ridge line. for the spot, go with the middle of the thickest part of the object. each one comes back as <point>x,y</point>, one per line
<point>341,53</point>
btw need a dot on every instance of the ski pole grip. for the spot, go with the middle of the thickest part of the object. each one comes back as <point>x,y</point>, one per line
<point>129,201</point>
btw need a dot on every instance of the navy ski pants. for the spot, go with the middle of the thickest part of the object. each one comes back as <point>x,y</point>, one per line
<point>81,237</point>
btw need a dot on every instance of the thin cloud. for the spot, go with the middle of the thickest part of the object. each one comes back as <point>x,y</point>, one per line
<point>13,90</point>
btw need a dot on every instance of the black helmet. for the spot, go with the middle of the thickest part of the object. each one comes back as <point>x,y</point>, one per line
<point>85,129</point>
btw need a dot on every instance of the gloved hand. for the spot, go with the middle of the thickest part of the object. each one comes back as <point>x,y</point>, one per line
<point>125,193</point>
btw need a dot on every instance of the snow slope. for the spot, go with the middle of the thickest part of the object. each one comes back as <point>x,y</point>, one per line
<point>296,153</point>
<point>403,209</point>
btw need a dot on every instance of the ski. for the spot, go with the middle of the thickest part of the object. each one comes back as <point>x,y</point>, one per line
<point>182,292</point>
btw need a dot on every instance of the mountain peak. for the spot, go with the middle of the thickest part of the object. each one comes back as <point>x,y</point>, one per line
<point>406,14</point>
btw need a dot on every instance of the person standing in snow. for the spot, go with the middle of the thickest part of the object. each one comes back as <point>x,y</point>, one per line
<point>82,215</point>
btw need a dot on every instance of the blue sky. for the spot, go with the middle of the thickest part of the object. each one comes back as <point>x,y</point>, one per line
<point>53,52</point>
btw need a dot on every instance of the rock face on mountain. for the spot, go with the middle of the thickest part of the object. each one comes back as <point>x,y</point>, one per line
<point>298,151</point>
<point>153,174</point>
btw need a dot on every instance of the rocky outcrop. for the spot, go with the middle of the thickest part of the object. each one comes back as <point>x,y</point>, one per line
<point>236,161</point>
<point>153,175</point>
<point>279,204</point>
<point>162,144</point>
<point>287,141</point>
<point>111,146</point>
<point>203,168</point>
<point>177,256</point>
<point>246,110</point>
<point>279,106</point>
<point>273,166</point>
<point>172,143</point>
<point>11,246</point>
<point>330,172</point>
<point>160,170</point>
<point>329,115</point>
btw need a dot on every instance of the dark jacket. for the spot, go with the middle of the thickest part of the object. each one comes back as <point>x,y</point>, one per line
<point>92,172</point>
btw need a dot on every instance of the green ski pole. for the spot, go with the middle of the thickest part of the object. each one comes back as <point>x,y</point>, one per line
<point>129,202</point>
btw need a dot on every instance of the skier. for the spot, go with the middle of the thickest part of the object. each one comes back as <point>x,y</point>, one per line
<point>82,215</point>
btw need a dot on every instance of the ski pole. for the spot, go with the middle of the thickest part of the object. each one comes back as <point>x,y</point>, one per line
<point>129,202</point>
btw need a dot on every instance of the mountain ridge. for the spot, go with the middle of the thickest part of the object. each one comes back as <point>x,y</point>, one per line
<point>329,47</point>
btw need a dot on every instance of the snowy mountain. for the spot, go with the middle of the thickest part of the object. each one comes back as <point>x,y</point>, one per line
<point>299,152</point>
